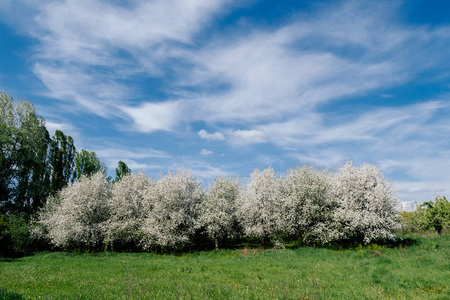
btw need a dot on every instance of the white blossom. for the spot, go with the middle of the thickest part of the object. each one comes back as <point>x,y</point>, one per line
<point>366,206</point>
<point>129,207</point>
<point>78,214</point>
<point>259,204</point>
<point>172,217</point>
<point>306,204</point>
<point>218,210</point>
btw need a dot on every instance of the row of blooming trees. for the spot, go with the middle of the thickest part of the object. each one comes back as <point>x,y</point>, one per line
<point>353,203</point>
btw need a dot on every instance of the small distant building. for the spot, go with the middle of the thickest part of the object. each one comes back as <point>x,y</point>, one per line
<point>407,206</point>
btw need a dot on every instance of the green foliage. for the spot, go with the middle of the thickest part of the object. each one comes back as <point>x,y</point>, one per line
<point>61,160</point>
<point>4,235</point>
<point>20,234</point>
<point>15,238</point>
<point>412,221</point>
<point>430,216</point>
<point>24,178</point>
<point>407,271</point>
<point>437,214</point>
<point>122,170</point>
<point>5,295</point>
<point>87,164</point>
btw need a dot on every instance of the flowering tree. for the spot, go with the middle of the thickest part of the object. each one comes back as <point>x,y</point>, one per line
<point>172,217</point>
<point>366,206</point>
<point>306,205</point>
<point>259,205</point>
<point>128,209</point>
<point>77,215</point>
<point>218,210</point>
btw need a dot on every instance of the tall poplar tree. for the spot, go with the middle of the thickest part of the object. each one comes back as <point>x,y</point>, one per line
<point>87,164</point>
<point>24,144</point>
<point>62,161</point>
<point>122,170</point>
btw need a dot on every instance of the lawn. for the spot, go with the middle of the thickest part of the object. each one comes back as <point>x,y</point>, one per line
<point>418,268</point>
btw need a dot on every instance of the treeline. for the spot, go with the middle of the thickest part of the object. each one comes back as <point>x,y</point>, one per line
<point>175,211</point>
<point>55,196</point>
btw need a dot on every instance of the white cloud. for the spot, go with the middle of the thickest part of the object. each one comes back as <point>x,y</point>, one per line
<point>156,116</point>
<point>216,136</point>
<point>277,85</point>
<point>72,85</point>
<point>91,31</point>
<point>125,40</point>
<point>203,170</point>
<point>242,137</point>
<point>134,154</point>
<point>135,166</point>
<point>206,152</point>
<point>67,128</point>
<point>64,127</point>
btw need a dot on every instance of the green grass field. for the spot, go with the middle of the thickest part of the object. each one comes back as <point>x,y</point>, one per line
<point>417,269</point>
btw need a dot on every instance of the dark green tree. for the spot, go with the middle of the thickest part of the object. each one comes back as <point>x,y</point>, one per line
<point>24,146</point>
<point>87,164</point>
<point>121,171</point>
<point>62,161</point>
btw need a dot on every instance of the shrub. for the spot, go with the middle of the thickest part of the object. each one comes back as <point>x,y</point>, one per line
<point>172,216</point>
<point>76,217</point>
<point>129,208</point>
<point>366,206</point>
<point>218,210</point>
<point>259,205</point>
<point>15,236</point>
<point>435,215</point>
<point>306,204</point>
<point>412,221</point>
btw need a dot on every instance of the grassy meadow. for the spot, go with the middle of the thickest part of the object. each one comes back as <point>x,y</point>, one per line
<point>417,268</point>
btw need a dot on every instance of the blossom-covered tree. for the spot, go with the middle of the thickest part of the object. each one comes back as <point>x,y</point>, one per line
<point>306,204</point>
<point>366,205</point>
<point>172,217</point>
<point>218,210</point>
<point>77,215</point>
<point>259,206</point>
<point>128,209</point>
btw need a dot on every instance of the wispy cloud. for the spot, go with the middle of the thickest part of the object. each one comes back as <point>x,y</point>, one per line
<point>135,154</point>
<point>242,137</point>
<point>216,136</point>
<point>155,116</point>
<point>206,152</point>
<point>165,68</point>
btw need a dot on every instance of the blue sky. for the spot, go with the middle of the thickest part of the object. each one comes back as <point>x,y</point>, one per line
<point>223,87</point>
